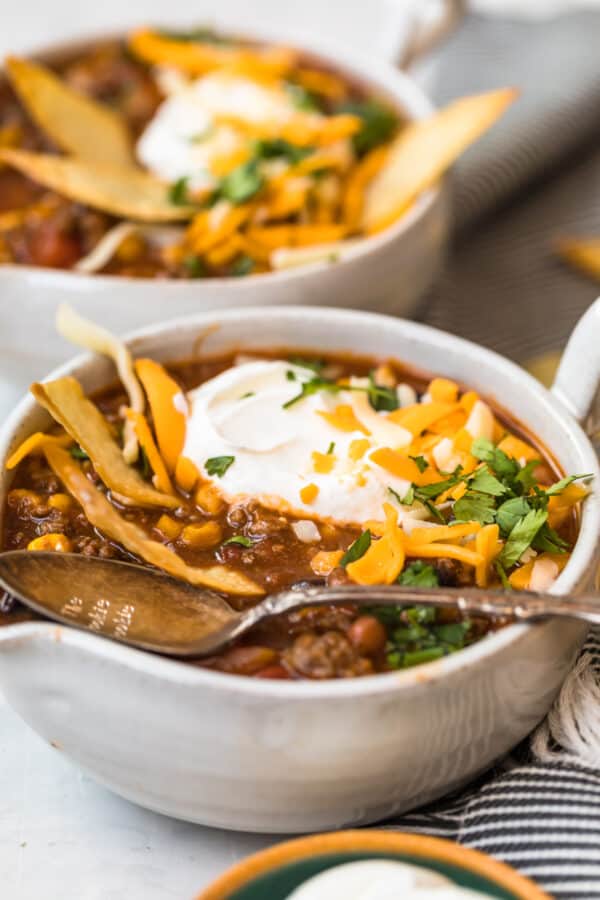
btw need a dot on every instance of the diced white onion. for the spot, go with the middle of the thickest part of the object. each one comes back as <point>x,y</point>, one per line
<point>306,531</point>
<point>480,423</point>
<point>543,575</point>
<point>406,395</point>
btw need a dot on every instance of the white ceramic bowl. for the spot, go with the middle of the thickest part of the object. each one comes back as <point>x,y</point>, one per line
<point>256,755</point>
<point>388,272</point>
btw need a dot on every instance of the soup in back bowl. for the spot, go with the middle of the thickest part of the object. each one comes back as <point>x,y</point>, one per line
<point>187,171</point>
<point>299,754</point>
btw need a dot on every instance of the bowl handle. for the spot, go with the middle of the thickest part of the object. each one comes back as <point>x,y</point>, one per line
<point>578,377</point>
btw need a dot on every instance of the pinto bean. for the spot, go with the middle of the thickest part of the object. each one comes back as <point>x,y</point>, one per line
<point>368,635</point>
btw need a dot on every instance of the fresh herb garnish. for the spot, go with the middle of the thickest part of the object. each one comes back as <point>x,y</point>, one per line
<point>178,192</point>
<point>144,463</point>
<point>78,452</point>
<point>331,448</point>
<point>501,464</point>
<point>313,386</point>
<point>559,487</point>
<point>357,549</point>
<point>290,375</point>
<point>420,462</point>
<point>502,575</point>
<point>419,574</point>
<point>218,465</point>
<point>302,98</point>
<point>241,183</point>
<point>248,394</point>
<point>378,123</point>
<point>278,148</point>
<point>475,507</point>
<point>521,537</point>
<point>195,36</point>
<point>509,513</point>
<point>381,398</point>
<point>243,265</point>
<point>315,365</point>
<point>194,267</point>
<point>485,483</point>
<point>240,539</point>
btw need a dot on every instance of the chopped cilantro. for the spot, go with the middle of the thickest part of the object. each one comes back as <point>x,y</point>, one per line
<point>194,267</point>
<point>200,35</point>
<point>378,123</point>
<point>485,483</point>
<point>301,97</point>
<point>420,462</point>
<point>381,398</point>
<point>509,513</point>
<point>274,148</point>
<point>218,465</point>
<point>144,463</point>
<point>501,464</point>
<point>238,539</point>
<point>315,365</point>
<point>290,375</point>
<point>475,506</point>
<point>559,487</point>
<point>331,448</point>
<point>502,575</point>
<point>78,453</point>
<point>521,536</point>
<point>243,265</point>
<point>241,183</point>
<point>357,549</point>
<point>178,192</point>
<point>419,574</point>
<point>549,541</point>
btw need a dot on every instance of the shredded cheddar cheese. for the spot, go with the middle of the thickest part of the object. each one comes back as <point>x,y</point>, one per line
<point>309,493</point>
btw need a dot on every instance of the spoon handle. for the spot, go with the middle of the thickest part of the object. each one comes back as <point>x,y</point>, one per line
<point>520,606</point>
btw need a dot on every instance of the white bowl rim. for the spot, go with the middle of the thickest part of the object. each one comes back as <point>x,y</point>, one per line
<point>182,672</point>
<point>380,74</point>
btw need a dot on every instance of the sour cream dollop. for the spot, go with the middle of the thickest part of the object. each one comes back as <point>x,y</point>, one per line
<point>242,413</point>
<point>185,137</point>
<point>380,879</point>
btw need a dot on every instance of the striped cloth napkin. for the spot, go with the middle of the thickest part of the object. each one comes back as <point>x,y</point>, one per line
<point>532,179</point>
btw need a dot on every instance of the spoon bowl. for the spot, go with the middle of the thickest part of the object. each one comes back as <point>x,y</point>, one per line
<point>145,608</point>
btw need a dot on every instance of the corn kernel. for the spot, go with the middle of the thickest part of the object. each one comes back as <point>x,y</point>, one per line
<point>309,493</point>
<point>62,502</point>
<point>169,527</point>
<point>53,541</point>
<point>202,535</point>
<point>208,499</point>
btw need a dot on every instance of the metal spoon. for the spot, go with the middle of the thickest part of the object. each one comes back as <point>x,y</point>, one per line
<point>145,608</point>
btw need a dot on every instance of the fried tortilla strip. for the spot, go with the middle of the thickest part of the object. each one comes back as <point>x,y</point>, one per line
<point>74,122</point>
<point>425,150</point>
<point>67,404</point>
<point>93,337</point>
<point>581,253</point>
<point>118,190</point>
<point>102,515</point>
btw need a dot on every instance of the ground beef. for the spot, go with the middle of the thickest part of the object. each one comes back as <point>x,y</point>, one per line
<point>452,573</point>
<point>329,655</point>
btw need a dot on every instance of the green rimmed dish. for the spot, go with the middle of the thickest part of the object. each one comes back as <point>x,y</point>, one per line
<point>274,873</point>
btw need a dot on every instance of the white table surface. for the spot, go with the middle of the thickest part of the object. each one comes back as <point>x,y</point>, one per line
<point>63,837</point>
